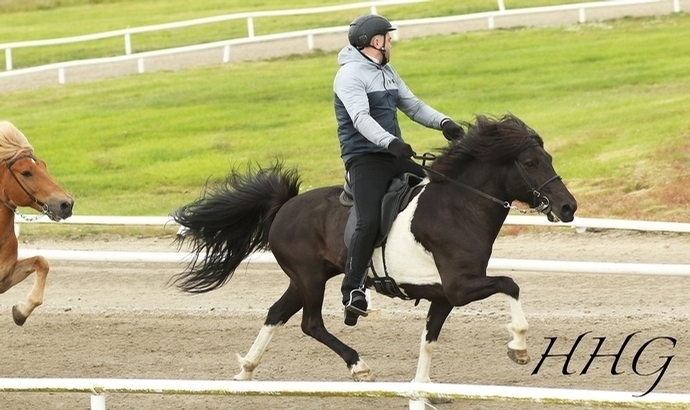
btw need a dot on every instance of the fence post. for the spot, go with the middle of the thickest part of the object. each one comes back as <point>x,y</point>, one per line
<point>250,26</point>
<point>61,75</point>
<point>8,59</point>
<point>501,5</point>
<point>226,53</point>
<point>97,402</point>
<point>415,405</point>
<point>676,6</point>
<point>128,43</point>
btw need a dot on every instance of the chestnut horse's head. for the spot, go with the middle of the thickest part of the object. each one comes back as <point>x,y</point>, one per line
<point>24,179</point>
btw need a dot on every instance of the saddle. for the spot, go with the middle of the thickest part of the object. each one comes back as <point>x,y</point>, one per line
<point>395,200</point>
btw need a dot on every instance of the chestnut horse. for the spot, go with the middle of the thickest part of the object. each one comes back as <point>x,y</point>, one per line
<point>438,248</point>
<point>25,182</point>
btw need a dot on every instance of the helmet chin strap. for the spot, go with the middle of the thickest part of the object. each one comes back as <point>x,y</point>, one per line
<point>384,59</point>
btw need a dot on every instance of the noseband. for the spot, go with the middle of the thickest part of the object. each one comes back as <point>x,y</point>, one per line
<point>544,207</point>
<point>44,207</point>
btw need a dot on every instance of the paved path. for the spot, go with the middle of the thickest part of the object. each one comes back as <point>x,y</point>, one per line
<point>330,42</point>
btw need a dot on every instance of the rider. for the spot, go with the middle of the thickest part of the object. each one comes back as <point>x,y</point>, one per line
<point>368,92</point>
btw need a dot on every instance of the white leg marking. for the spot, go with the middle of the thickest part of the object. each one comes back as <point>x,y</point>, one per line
<point>518,326</point>
<point>361,372</point>
<point>252,359</point>
<point>426,349</point>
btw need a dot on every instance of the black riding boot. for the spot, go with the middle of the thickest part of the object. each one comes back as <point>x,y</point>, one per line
<point>354,298</point>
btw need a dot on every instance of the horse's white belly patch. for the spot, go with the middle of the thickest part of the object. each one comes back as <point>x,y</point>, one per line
<point>406,259</point>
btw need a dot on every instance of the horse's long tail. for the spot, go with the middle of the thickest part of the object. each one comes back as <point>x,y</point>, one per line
<point>229,222</point>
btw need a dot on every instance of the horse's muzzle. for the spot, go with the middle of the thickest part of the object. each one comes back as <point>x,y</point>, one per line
<point>58,210</point>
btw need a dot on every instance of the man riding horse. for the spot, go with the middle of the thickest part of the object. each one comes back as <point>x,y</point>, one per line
<point>368,92</point>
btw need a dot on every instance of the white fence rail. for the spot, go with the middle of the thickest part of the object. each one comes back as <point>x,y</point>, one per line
<point>416,392</point>
<point>578,224</point>
<point>249,16</point>
<point>309,35</point>
<point>528,265</point>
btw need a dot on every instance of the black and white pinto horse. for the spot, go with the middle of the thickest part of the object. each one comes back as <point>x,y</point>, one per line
<point>438,248</point>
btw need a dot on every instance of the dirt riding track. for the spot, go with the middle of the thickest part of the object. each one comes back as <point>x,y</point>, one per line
<point>121,320</point>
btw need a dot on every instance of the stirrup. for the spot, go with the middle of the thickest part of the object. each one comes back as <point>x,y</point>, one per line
<point>357,303</point>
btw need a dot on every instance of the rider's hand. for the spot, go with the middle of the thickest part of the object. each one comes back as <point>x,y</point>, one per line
<point>401,149</point>
<point>451,130</point>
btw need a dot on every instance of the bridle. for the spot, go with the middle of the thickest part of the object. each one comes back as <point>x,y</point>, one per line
<point>13,208</point>
<point>543,207</point>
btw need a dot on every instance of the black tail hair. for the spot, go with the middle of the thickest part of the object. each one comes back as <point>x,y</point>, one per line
<point>229,222</point>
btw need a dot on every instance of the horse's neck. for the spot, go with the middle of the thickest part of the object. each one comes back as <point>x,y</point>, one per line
<point>486,214</point>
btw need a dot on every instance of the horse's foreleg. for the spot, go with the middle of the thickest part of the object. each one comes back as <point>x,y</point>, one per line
<point>438,312</point>
<point>517,348</point>
<point>281,311</point>
<point>478,288</point>
<point>18,273</point>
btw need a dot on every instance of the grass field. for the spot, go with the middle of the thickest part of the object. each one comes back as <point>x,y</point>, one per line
<point>610,100</point>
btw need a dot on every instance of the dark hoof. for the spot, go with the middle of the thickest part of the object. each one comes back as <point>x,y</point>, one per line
<point>518,356</point>
<point>19,319</point>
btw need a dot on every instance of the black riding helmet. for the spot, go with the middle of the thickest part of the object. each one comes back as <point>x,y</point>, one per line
<point>365,27</point>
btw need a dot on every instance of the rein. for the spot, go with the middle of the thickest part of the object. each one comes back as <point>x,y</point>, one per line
<point>543,207</point>
<point>44,207</point>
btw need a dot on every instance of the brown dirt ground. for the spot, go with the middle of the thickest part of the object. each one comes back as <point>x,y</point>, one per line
<point>122,320</point>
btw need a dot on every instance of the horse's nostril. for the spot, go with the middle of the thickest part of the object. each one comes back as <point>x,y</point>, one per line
<point>66,207</point>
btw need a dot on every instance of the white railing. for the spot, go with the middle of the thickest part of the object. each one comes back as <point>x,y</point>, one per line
<point>416,392</point>
<point>527,265</point>
<point>249,16</point>
<point>579,224</point>
<point>310,35</point>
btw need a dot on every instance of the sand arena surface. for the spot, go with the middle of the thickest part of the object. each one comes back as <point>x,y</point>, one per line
<point>122,320</point>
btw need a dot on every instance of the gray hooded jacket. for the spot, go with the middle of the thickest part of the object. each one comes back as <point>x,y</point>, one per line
<point>367,96</point>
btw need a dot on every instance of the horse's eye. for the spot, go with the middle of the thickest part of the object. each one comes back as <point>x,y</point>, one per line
<point>530,163</point>
<point>26,174</point>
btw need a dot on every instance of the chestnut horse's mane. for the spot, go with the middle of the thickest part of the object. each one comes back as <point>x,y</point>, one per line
<point>12,142</point>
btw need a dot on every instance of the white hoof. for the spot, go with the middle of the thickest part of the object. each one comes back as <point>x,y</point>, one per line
<point>361,373</point>
<point>246,369</point>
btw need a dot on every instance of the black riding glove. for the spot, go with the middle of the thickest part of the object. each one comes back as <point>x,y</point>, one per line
<point>401,149</point>
<point>452,130</point>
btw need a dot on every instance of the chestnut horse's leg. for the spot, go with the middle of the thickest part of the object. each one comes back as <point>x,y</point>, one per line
<point>18,273</point>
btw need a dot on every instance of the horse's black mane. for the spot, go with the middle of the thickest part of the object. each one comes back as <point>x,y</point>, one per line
<point>488,139</point>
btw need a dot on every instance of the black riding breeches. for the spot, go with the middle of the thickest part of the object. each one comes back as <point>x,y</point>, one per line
<point>369,177</point>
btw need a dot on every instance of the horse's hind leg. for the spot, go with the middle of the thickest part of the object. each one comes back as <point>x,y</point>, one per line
<point>312,325</point>
<point>19,272</point>
<point>281,311</point>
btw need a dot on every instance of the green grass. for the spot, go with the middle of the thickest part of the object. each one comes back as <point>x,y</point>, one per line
<point>22,20</point>
<point>609,99</point>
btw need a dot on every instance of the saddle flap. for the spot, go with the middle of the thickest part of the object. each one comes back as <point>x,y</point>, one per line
<point>394,201</point>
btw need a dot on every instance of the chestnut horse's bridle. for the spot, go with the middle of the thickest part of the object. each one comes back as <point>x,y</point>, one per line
<point>44,207</point>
